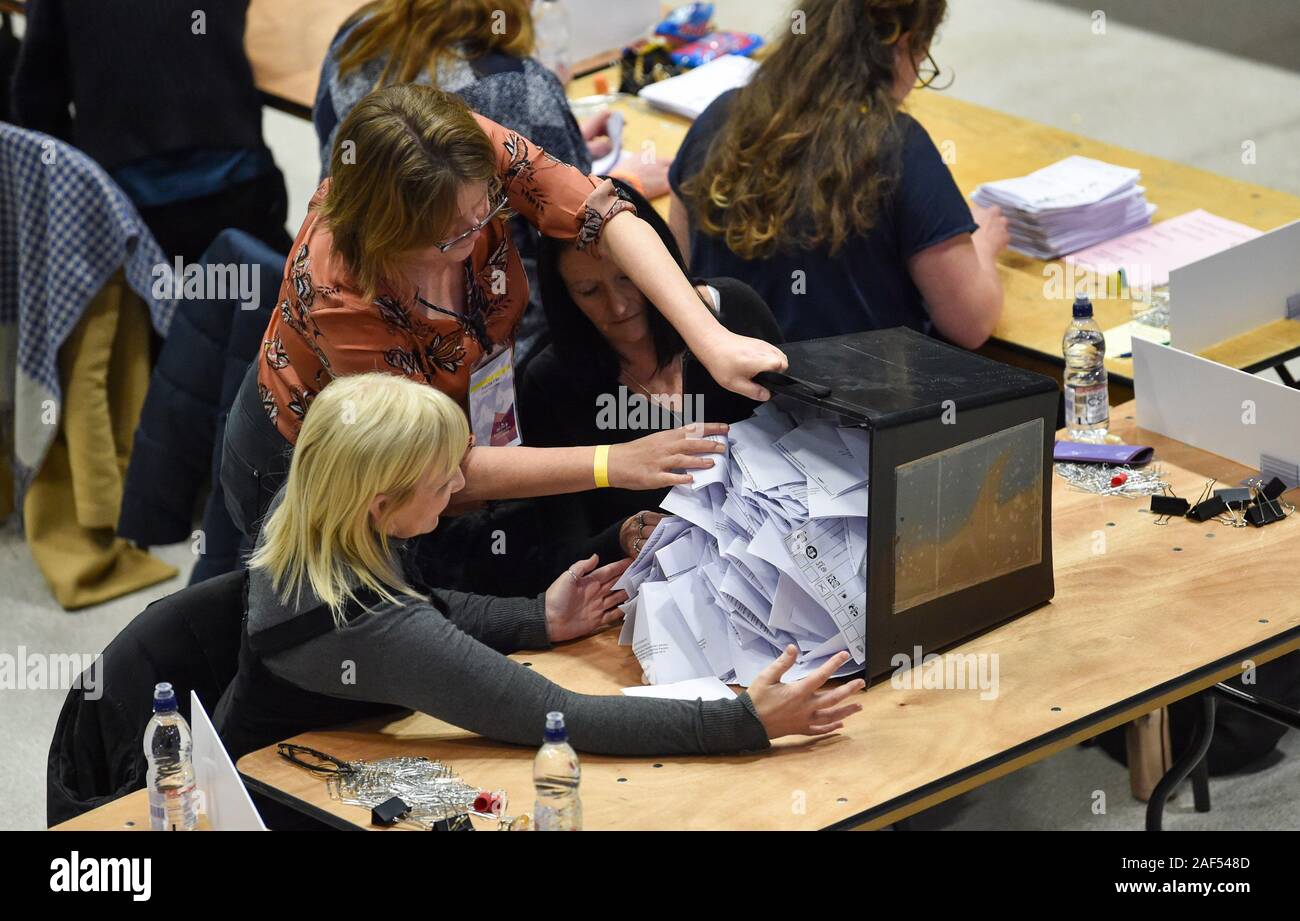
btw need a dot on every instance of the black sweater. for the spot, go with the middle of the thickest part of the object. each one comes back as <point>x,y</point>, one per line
<point>141,80</point>
<point>558,407</point>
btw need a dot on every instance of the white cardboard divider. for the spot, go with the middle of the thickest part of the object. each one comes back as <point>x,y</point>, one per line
<point>1234,291</point>
<point>1213,407</point>
<point>229,806</point>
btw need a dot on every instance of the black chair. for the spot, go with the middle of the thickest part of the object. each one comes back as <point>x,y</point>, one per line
<point>191,639</point>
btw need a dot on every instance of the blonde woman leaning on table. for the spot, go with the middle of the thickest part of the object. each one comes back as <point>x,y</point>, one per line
<point>814,188</point>
<point>404,264</point>
<point>378,459</point>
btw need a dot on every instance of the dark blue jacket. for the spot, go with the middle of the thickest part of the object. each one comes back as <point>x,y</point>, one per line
<point>177,453</point>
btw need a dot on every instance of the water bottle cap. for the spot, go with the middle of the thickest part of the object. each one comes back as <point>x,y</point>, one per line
<point>555,731</point>
<point>164,698</point>
<point>1082,307</point>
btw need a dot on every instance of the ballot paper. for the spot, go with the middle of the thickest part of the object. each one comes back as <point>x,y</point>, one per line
<point>826,565</point>
<point>1147,256</point>
<point>1068,206</point>
<point>614,131</point>
<point>770,554</point>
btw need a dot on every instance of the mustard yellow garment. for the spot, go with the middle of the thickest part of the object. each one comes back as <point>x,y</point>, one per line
<point>70,512</point>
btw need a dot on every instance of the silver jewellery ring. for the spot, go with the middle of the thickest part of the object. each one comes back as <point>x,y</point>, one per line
<point>574,576</point>
<point>637,545</point>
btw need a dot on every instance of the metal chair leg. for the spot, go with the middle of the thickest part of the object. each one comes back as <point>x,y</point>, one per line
<point>1202,733</point>
<point>1201,785</point>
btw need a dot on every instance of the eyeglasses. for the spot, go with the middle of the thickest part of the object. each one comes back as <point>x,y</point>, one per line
<point>927,72</point>
<point>497,202</point>
<point>319,763</point>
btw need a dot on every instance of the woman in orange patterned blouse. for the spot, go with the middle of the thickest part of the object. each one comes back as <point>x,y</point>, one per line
<point>404,264</point>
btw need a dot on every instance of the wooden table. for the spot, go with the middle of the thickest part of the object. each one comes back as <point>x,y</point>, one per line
<point>1163,613</point>
<point>126,813</point>
<point>985,145</point>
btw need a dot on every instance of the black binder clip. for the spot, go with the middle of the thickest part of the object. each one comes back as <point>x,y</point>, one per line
<point>1208,505</point>
<point>389,812</point>
<point>454,823</point>
<point>1267,506</point>
<point>1166,505</point>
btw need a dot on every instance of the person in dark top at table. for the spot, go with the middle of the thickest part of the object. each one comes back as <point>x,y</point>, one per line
<point>164,100</point>
<point>611,347</point>
<point>812,186</point>
<point>378,459</point>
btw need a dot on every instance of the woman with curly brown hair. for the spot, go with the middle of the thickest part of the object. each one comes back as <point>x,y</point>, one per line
<point>811,185</point>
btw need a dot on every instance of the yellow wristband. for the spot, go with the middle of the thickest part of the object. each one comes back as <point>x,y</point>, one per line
<point>601,466</point>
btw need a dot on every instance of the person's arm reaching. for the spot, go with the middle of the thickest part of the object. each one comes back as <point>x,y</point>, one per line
<point>563,203</point>
<point>412,656</point>
<point>648,462</point>
<point>959,281</point>
<point>731,360</point>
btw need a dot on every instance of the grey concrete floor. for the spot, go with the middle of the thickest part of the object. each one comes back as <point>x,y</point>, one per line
<point>1189,80</point>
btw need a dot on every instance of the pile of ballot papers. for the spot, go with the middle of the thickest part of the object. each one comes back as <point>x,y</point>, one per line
<point>765,549</point>
<point>1068,206</point>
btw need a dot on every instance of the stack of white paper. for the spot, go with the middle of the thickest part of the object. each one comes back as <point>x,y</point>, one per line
<point>691,93</point>
<point>1068,206</point>
<point>765,550</point>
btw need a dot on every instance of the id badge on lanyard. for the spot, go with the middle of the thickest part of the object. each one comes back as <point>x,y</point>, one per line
<point>492,412</point>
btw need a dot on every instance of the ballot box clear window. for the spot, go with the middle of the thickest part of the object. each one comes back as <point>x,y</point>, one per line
<point>968,514</point>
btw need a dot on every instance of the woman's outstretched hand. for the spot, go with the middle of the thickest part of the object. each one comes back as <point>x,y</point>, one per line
<point>581,601</point>
<point>733,360</point>
<point>649,462</point>
<point>802,708</point>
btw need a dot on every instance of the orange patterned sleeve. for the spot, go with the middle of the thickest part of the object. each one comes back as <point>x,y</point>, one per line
<point>556,198</point>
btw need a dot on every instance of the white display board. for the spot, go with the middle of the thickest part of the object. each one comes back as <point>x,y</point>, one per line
<point>1234,291</point>
<point>597,26</point>
<point>1213,407</point>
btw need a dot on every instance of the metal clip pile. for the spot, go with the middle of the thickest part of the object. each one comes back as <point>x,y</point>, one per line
<point>430,788</point>
<point>1110,480</point>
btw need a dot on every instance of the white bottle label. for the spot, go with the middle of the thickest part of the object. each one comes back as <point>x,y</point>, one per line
<point>1086,406</point>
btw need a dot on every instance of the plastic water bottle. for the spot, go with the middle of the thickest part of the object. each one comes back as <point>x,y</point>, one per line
<point>1087,402</point>
<point>556,774</point>
<point>551,35</point>
<point>168,748</point>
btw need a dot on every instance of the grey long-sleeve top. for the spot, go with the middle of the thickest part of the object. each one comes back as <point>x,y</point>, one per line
<point>446,657</point>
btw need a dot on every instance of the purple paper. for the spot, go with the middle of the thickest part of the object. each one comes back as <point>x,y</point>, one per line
<point>1081,452</point>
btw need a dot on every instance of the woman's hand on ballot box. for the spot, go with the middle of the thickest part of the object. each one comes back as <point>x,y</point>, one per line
<point>582,600</point>
<point>650,461</point>
<point>734,360</point>
<point>801,708</point>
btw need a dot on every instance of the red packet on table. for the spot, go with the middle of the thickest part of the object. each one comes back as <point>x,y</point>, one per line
<point>1082,452</point>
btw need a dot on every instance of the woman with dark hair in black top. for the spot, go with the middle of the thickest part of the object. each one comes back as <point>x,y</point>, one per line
<point>614,370</point>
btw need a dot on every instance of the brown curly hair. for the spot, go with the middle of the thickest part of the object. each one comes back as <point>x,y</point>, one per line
<point>801,161</point>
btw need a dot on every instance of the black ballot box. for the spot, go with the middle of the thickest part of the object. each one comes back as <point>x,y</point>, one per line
<point>959,493</point>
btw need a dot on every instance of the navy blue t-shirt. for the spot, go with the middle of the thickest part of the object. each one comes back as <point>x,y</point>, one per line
<point>866,285</point>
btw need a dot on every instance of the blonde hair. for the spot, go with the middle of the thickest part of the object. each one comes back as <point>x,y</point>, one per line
<point>415,35</point>
<point>365,434</point>
<point>396,189</point>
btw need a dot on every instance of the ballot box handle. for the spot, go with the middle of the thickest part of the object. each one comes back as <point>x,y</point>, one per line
<point>779,382</point>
